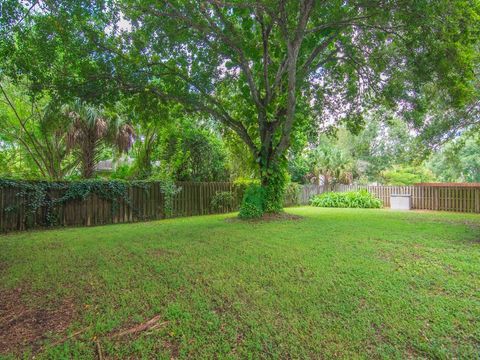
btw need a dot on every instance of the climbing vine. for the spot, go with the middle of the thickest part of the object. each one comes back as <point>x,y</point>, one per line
<point>169,190</point>
<point>222,201</point>
<point>31,196</point>
<point>112,191</point>
<point>34,195</point>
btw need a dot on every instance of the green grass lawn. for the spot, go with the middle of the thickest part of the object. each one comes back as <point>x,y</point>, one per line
<point>338,283</point>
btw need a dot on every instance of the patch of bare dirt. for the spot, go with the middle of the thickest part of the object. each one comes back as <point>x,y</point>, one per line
<point>173,347</point>
<point>279,216</point>
<point>379,332</point>
<point>378,337</point>
<point>22,325</point>
<point>268,217</point>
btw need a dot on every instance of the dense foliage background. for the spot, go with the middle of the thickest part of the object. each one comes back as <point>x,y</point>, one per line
<point>280,91</point>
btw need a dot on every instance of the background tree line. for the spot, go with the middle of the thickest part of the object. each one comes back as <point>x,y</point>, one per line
<point>42,141</point>
<point>273,90</point>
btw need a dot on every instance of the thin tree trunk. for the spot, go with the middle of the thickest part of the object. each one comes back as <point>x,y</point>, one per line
<point>89,158</point>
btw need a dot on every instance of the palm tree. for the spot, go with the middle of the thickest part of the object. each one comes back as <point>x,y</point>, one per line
<point>90,129</point>
<point>331,165</point>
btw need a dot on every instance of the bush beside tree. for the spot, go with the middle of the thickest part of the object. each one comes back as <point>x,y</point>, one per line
<point>253,203</point>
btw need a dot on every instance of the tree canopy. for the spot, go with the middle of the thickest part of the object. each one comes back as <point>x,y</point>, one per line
<point>264,70</point>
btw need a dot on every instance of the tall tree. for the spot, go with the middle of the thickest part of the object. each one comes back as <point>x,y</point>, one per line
<point>458,160</point>
<point>261,67</point>
<point>246,64</point>
<point>91,128</point>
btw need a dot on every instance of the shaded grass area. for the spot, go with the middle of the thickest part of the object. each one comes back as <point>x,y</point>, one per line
<point>336,283</point>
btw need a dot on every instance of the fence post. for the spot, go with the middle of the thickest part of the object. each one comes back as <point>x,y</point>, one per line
<point>477,200</point>
<point>200,189</point>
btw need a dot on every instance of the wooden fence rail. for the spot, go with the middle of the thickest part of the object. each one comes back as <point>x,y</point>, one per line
<point>441,198</point>
<point>147,202</point>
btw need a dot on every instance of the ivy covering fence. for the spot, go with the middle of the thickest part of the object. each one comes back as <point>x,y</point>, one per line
<point>37,204</point>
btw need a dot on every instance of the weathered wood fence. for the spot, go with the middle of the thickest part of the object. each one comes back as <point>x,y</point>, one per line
<point>442,198</point>
<point>308,191</point>
<point>147,202</point>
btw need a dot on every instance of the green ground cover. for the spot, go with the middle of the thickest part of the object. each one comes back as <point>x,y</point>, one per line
<point>344,283</point>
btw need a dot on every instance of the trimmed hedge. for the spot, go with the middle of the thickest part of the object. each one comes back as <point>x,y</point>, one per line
<point>349,199</point>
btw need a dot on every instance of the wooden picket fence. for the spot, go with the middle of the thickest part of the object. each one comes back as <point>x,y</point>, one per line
<point>147,202</point>
<point>440,198</point>
<point>144,203</point>
<point>308,191</point>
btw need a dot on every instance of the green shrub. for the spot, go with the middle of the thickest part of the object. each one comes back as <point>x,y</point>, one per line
<point>221,201</point>
<point>349,199</point>
<point>122,172</point>
<point>241,184</point>
<point>252,202</point>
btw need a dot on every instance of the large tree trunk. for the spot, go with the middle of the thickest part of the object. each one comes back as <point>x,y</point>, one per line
<point>273,178</point>
<point>273,164</point>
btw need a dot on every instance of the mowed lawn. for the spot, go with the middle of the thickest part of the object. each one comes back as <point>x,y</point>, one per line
<point>338,283</point>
